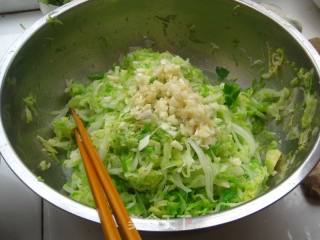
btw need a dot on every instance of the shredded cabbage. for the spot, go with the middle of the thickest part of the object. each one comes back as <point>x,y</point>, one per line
<point>169,160</point>
<point>30,109</point>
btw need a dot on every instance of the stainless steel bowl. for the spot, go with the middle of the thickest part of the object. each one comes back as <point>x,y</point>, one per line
<point>93,36</point>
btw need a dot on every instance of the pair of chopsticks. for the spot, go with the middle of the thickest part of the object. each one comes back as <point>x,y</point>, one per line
<point>105,194</point>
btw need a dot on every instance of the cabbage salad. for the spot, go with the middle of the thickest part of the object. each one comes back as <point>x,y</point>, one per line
<point>174,143</point>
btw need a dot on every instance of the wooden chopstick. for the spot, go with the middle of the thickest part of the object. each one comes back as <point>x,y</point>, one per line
<point>108,225</point>
<point>126,226</point>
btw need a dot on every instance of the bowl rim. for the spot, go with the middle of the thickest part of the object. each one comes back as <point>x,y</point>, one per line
<point>145,224</point>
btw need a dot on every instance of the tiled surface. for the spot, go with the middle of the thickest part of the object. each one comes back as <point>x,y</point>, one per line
<point>64,226</point>
<point>17,5</point>
<point>20,208</point>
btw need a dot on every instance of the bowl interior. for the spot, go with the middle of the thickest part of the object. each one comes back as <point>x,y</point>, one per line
<point>94,35</point>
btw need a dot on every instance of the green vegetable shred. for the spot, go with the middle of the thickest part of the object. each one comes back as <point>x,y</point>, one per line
<point>174,144</point>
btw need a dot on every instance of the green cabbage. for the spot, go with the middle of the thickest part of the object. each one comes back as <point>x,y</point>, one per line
<point>30,110</point>
<point>160,171</point>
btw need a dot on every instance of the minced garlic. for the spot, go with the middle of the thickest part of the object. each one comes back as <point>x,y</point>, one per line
<point>171,99</point>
